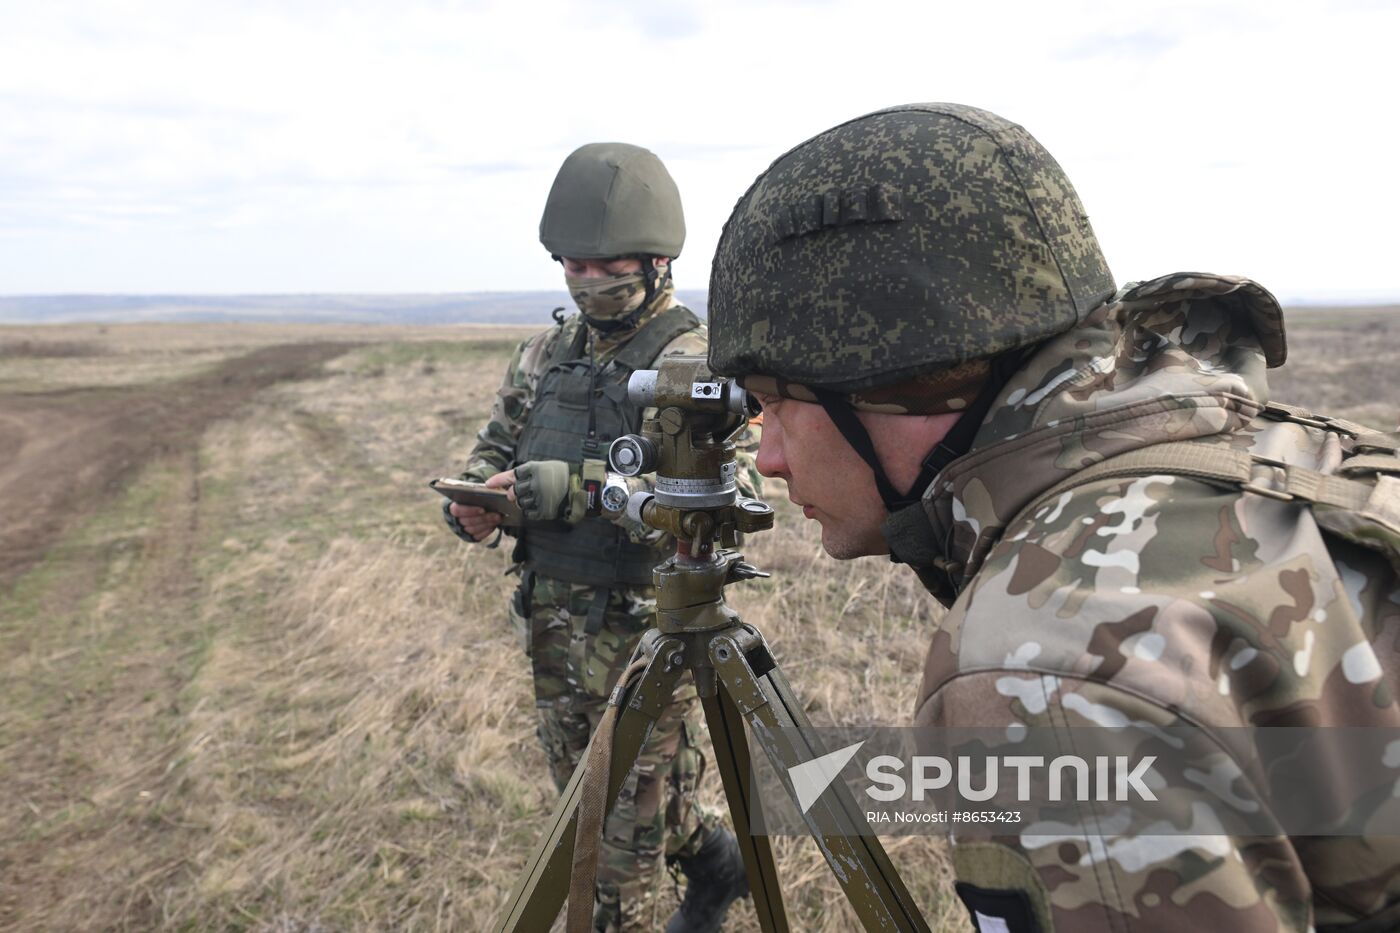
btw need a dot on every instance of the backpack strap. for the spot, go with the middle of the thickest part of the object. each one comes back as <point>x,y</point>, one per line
<point>1365,441</point>
<point>1370,463</point>
<point>1374,442</point>
<point>1278,411</point>
<point>1237,469</point>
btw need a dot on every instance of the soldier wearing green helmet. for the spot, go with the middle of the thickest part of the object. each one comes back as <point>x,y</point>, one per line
<point>1125,528</point>
<point>613,220</point>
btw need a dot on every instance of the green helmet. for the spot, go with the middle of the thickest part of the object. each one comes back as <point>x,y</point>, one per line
<point>613,199</point>
<point>904,242</point>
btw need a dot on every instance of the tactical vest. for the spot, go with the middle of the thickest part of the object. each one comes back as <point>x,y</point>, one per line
<point>563,425</point>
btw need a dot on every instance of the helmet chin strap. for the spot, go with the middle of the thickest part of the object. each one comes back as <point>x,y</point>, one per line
<point>843,415</point>
<point>652,277</point>
<point>952,445</point>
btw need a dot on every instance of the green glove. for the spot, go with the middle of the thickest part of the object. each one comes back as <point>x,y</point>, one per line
<point>541,488</point>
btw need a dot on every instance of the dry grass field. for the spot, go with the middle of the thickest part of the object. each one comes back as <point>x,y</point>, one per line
<point>249,682</point>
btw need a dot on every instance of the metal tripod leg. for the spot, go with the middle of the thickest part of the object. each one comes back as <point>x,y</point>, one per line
<point>726,727</point>
<point>748,686</point>
<point>544,884</point>
<point>749,678</point>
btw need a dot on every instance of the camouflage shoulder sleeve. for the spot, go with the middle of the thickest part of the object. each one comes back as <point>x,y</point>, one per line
<point>1164,601</point>
<point>495,442</point>
<point>1112,871</point>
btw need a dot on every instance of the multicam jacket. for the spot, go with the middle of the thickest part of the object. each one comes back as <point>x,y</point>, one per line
<point>1161,600</point>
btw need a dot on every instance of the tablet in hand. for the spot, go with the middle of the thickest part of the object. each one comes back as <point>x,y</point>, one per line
<point>464,492</point>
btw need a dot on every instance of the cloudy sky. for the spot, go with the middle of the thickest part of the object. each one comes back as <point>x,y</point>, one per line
<point>302,145</point>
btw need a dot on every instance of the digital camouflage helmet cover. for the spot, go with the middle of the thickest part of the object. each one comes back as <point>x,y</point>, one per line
<point>613,199</point>
<point>902,243</point>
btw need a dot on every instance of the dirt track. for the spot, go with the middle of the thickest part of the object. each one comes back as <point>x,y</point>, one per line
<point>62,453</point>
<point>85,718</point>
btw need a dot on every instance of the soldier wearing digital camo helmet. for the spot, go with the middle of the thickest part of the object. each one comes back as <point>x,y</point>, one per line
<point>613,219</point>
<point>1091,478</point>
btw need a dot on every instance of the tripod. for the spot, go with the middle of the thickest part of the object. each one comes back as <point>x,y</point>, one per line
<point>734,671</point>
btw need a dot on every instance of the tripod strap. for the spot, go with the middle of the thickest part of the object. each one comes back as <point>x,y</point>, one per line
<point>593,807</point>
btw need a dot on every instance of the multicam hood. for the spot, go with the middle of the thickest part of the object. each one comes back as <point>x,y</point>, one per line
<point>903,242</point>
<point>1180,357</point>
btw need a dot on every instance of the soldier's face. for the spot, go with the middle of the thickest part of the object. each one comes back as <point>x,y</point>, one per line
<point>604,268</point>
<point>825,476</point>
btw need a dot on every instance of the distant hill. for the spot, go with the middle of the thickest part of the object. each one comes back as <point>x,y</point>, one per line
<point>454,308</point>
<point>531,307</point>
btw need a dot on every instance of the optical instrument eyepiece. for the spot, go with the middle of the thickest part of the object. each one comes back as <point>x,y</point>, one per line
<point>632,455</point>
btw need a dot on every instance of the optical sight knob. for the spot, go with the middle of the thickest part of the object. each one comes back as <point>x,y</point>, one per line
<point>632,455</point>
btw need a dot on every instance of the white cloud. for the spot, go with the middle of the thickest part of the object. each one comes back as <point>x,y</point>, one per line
<point>155,145</point>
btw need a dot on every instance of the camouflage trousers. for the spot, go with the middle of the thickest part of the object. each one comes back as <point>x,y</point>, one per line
<point>574,668</point>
